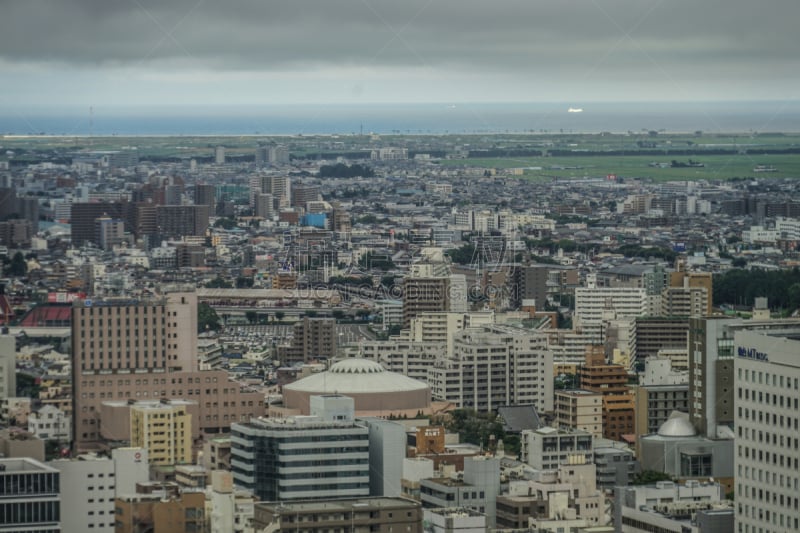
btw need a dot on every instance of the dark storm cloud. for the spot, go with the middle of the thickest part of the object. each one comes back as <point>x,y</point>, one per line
<point>731,36</point>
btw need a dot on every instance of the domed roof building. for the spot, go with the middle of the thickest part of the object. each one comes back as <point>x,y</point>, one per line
<point>374,390</point>
<point>677,425</point>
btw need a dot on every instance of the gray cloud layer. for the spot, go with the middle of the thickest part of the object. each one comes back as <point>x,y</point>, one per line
<point>577,40</point>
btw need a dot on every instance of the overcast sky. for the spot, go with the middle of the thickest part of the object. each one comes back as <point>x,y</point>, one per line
<point>166,52</point>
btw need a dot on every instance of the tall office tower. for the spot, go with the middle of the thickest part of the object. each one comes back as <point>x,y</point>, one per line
<point>219,155</point>
<point>325,455</point>
<point>493,366</point>
<point>206,194</point>
<point>612,382</point>
<point>8,373</point>
<point>767,460</point>
<point>182,220</point>
<point>124,349</point>
<point>29,496</point>
<point>84,215</point>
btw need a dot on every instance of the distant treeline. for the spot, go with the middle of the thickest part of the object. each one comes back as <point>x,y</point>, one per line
<point>340,170</point>
<point>499,153</point>
<point>741,287</point>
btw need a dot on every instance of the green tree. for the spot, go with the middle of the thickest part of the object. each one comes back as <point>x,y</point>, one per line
<point>279,315</point>
<point>207,318</point>
<point>218,283</point>
<point>251,316</point>
<point>338,314</point>
<point>17,267</point>
<point>225,223</point>
<point>646,477</point>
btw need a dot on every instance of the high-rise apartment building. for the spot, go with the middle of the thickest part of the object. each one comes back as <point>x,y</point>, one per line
<point>491,366</point>
<point>176,221</point>
<point>164,429</point>
<point>304,193</point>
<point>83,218</point>
<point>312,339</point>
<point>219,155</point>
<point>580,409</point>
<point>683,278</point>
<point>8,367</point>
<point>206,194</point>
<point>424,294</point>
<point>612,382</point>
<point>596,305</point>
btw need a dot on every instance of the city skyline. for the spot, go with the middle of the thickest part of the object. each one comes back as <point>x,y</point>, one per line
<point>140,53</point>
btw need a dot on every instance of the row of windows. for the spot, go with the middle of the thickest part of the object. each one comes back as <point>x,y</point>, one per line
<point>767,378</point>
<point>765,516</point>
<point>764,437</point>
<point>766,397</point>
<point>765,418</point>
<point>762,456</point>
<point>762,476</point>
<point>156,381</point>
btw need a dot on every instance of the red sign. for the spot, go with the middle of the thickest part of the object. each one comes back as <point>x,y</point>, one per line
<point>64,297</point>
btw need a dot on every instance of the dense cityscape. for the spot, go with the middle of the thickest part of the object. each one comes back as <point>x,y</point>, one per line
<point>425,266</point>
<point>369,332</point>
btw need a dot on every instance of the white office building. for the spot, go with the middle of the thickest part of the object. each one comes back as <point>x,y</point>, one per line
<point>324,455</point>
<point>90,484</point>
<point>767,422</point>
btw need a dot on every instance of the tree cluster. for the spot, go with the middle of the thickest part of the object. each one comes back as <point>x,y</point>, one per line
<point>741,287</point>
<point>340,170</point>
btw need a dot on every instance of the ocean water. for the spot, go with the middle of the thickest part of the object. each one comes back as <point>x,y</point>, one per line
<point>712,117</point>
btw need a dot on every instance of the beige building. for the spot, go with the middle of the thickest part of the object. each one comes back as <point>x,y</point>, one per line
<point>421,295</point>
<point>164,429</point>
<point>580,409</point>
<point>312,338</point>
<point>131,350</point>
<point>160,507</point>
<point>382,515</point>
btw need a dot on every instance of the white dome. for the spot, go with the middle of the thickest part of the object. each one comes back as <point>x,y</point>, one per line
<point>356,376</point>
<point>357,366</point>
<point>677,425</point>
